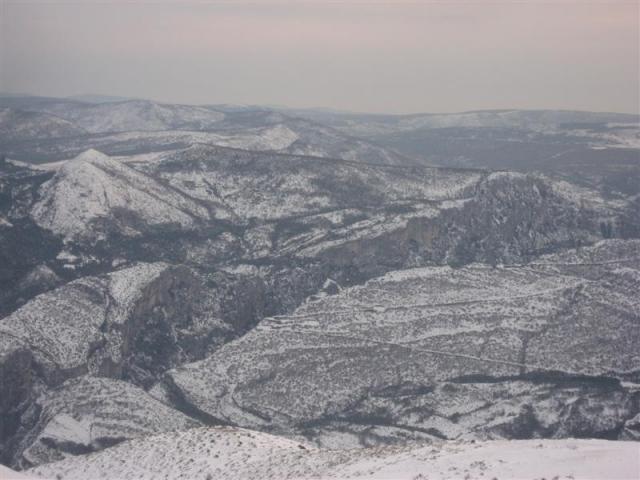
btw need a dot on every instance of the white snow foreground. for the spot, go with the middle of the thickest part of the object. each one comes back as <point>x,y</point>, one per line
<point>8,474</point>
<point>232,453</point>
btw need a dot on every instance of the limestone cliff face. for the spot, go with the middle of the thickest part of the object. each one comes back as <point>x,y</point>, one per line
<point>16,376</point>
<point>86,414</point>
<point>25,248</point>
<point>506,218</point>
<point>133,324</point>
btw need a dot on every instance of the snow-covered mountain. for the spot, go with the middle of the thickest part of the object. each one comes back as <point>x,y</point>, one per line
<point>137,115</point>
<point>209,206</point>
<point>136,126</point>
<point>174,274</point>
<point>94,196</point>
<point>94,188</point>
<point>601,150</point>
<point>476,352</point>
<point>368,125</point>
<point>267,231</point>
<point>598,150</point>
<point>18,125</point>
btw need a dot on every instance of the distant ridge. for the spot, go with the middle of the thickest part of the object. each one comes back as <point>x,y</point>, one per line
<point>97,98</point>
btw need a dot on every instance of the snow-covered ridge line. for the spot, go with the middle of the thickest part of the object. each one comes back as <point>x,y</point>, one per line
<point>94,186</point>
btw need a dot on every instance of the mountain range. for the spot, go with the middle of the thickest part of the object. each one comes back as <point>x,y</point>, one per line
<point>221,292</point>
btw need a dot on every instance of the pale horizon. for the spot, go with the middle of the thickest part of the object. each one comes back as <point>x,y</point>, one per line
<point>318,108</point>
<point>369,57</point>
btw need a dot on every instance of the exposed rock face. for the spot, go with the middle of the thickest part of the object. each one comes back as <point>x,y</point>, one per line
<point>17,379</point>
<point>25,248</point>
<point>505,218</point>
<point>132,324</point>
<point>80,327</point>
<point>89,413</point>
<point>479,351</point>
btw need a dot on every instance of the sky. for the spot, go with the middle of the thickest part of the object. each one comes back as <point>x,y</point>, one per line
<point>377,56</point>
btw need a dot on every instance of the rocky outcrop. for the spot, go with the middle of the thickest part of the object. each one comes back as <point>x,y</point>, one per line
<point>506,218</point>
<point>88,414</point>
<point>25,248</point>
<point>132,324</point>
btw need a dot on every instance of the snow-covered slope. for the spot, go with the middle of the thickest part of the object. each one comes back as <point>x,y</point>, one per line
<point>93,188</point>
<point>64,327</point>
<point>264,186</point>
<point>136,126</point>
<point>8,474</point>
<point>595,149</point>
<point>541,121</point>
<point>90,413</point>
<point>140,115</point>
<point>288,136</point>
<point>126,328</point>
<point>124,324</point>
<point>210,453</point>
<point>215,202</point>
<point>476,352</point>
<point>18,125</point>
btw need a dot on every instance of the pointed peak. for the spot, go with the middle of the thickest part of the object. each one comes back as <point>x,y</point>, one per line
<point>88,157</point>
<point>91,155</point>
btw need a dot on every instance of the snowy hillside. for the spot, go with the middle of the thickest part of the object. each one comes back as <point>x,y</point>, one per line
<point>136,126</point>
<point>542,121</point>
<point>92,413</point>
<point>435,352</point>
<point>17,126</point>
<point>236,453</point>
<point>134,115</point>
<point>93,188</point>
<point>95,196</point>
<point>600,150</point>
<point>66,325</point>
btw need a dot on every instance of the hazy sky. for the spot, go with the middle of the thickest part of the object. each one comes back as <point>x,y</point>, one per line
<point>385,56</point>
